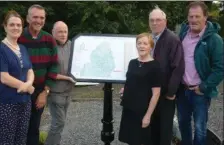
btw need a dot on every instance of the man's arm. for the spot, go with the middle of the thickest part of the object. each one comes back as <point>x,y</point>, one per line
<point>216,59</point>
<point>177,65</point>
<point>66,78</point>
<point>52,70</point>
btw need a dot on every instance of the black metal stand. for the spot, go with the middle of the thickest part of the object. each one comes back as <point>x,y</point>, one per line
<point>107,133</point>
<point>212,138</point>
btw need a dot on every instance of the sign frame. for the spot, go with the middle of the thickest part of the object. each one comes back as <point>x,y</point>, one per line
<point>94,80</point>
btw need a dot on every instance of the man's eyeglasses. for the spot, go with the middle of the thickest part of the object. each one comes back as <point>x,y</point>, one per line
<point>155,20</point>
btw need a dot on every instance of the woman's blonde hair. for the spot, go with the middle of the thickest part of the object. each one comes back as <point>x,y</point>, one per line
<point>151,42</point>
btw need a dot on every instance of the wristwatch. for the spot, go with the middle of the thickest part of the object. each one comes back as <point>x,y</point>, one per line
<point>47,90</point>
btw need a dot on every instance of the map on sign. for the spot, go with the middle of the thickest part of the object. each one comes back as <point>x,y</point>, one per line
<point>102,58</point>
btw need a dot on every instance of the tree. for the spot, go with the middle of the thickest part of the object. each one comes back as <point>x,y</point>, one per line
<point>116,17</point>
<point>221,19</point>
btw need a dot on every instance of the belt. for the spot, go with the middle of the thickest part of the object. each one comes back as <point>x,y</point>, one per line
<point>187,87</point>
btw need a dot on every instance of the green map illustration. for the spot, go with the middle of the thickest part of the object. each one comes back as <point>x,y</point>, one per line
<point>102,62</point>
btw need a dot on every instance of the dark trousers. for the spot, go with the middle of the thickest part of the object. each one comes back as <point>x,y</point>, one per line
<point>190,104</point>
<point>162,122</point>
<point>33,132</point>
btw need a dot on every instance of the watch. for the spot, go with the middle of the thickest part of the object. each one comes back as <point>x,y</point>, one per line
<point>47,90</point>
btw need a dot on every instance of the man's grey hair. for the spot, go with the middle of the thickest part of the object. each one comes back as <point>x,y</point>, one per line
<point>37,7</point>
<point>156,8</point>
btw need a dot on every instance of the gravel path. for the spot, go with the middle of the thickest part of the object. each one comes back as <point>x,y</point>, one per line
<point>216,116</point>
<point>83,125</point>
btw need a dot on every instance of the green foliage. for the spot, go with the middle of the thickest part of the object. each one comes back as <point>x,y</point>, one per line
<point>221,19</point>
<point>214,11</point>
<point>221,22</point>
<point>42,138</point>
<point>116,17</point>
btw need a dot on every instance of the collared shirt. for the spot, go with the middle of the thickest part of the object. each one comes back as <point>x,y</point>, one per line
<point>62,87</point>
<point>155,39</point>
<point>189,43</point>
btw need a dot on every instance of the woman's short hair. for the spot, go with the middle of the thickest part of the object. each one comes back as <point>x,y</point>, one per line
<point>10,14</point>
<point>148,35</point>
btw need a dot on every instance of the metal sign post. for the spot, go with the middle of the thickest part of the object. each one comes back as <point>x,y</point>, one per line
<point>107,133</point>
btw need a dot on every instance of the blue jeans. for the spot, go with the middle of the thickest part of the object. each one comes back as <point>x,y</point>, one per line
<point>189,103</point>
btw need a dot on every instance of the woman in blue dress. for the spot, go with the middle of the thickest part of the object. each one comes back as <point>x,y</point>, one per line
<point>16,79</point>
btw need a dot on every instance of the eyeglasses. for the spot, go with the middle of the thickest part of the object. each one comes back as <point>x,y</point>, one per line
<point>155,20</point>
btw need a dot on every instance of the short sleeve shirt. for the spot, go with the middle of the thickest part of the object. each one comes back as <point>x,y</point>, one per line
<point>11,63</point>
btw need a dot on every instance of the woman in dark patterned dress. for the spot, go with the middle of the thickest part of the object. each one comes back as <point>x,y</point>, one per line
<point>141,93</point>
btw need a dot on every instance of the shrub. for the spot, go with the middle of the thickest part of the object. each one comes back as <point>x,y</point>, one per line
<point>43,137</point>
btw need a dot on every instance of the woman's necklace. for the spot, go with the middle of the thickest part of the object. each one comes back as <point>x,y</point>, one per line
<point>140,64</point>
<point>15,47</point>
